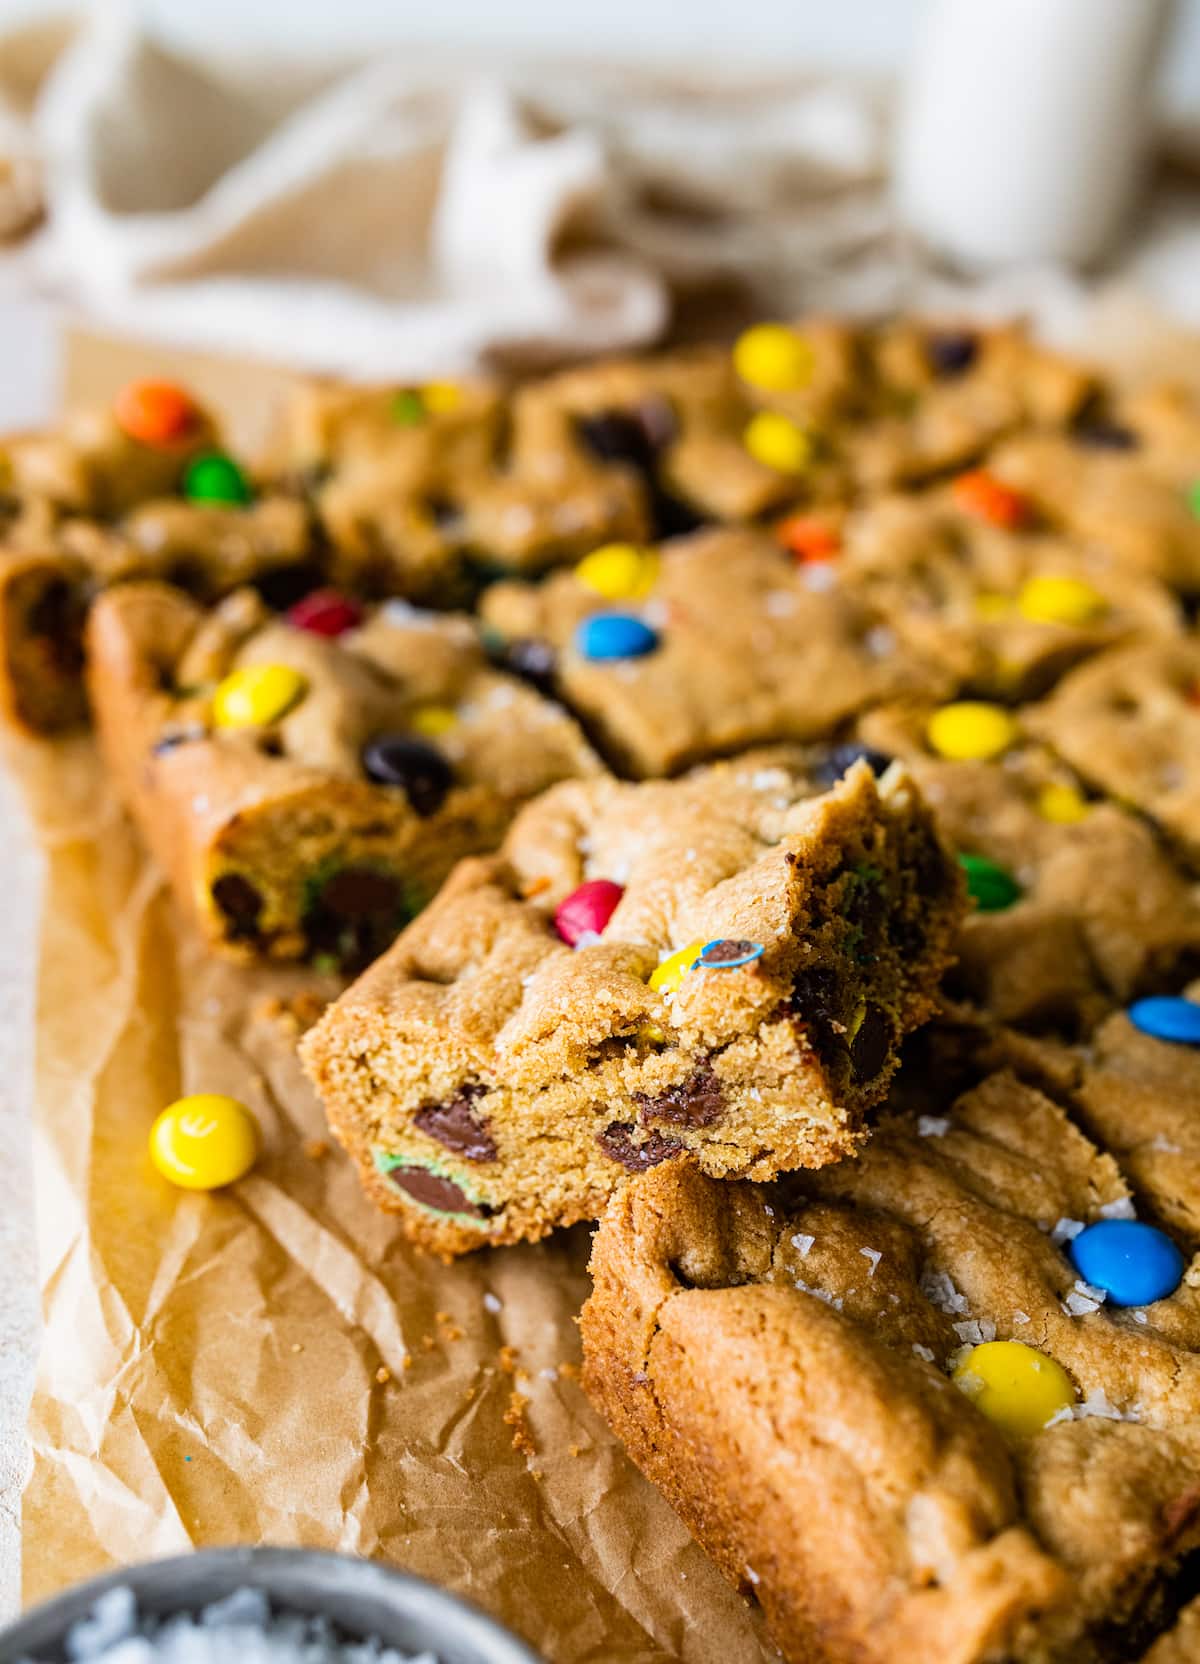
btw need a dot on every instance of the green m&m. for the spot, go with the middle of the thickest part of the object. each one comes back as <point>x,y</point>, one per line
<point>988,885</point>
<point>216,478</point>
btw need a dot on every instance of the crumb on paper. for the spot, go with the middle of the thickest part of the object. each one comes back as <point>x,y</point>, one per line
<point>296,1346</point>
<point>316,1149</point>
<point>514,1417</point>
<point>293,1015</point>
<point>449,1328</point>
<point>535,887</point>
<point>383,1375</point>
<point>575,1449</point>
<point>569,1371</point>
<point>428,1343</point>
<point>507,1360</point>
<point>492,1303</point>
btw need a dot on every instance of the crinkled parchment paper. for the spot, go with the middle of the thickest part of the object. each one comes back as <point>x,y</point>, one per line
<point>272,1363</point>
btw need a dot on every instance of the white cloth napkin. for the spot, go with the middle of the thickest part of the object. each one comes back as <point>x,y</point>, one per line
<point>414,215</point>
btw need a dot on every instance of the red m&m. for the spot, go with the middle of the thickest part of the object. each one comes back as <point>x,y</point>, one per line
<point>587,910</point>
<point>325,612</point>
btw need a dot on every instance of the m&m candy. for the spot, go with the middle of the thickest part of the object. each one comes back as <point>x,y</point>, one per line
<point>204,1141</point>
<point>981,494</point>
<point>619,572</point>
<point>1051,600</point>
<point>325,612</point>
<point>1014,1385</point>
<point>778,442</point>
<point>1062,804</point>
<point>256,695</point>
<point>727,953</point>
<point>614,635</point>
<point>433,720</point>
<point>154,413</point>
<point>418,769</point>
<point>407,408</point>
<point>1133,1263</point>
<point>215,478</point>
<point>773,358</point>
<point>971,731</point>
<point>840,759</point>
<point>1167,1017</point>
<point>587,910</point>
<point>1193,498</point>
<point>441,397</point>
<point>988,885</point>
<point>671,972</point>
<point>809,538</point>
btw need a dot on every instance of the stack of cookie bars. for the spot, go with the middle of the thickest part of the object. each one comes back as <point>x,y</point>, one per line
<point>760,789</point>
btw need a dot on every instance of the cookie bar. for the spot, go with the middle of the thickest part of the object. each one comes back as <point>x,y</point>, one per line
<point>715,965</point>
<point>1078,905</point>
<point>1128,722</point>
<point>718,642</point>
<point>940,1402</point>
<point>308,781</point>
<point>418,493</point>
<point>1005,609</point>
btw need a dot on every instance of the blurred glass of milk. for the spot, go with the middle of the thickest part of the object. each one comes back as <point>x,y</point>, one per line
<point>1026,126</point>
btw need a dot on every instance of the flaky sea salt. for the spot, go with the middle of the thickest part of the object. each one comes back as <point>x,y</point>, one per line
<point>932,1126</point>
<point>1020,1317</point>
<point>834,1300</point>
<point>492,1303</point>
<point>975,1331</point>
<point>925,1352</point>
<point>1082,1299</point>
<point>1065,1230</point>
<point>874,1256</point>
<point>1122,1208</point>
<point>802,1244</point>
<point>939,1290</point>
<point>241,1629</point>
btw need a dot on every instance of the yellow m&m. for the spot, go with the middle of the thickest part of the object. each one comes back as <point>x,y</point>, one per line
<point>668,976</point>
<point>1064,805</point>
<point>619,572</point>
<point>1014,1385</point>
<point>204,1141</point>
<point>440,397</point>
<point>432,720</point>
<point>1050,600</point>
<point>773,358</point>
<point>971,731</point>
<point>778,442</point>
<point>256,694</point>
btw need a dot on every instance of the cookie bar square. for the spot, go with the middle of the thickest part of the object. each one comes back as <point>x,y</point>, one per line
<point>1128,722</point>
<point>420,494</point>
<point>717,965</point>
<point>888,1402</point>
<point>1005,610</point>
<point>307,792</point>
<point>726,643</point>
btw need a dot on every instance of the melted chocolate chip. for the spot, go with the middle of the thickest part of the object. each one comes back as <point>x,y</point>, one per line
<point>815,1002</point>
<point>951,352</point>
<point>442,511</point>
<point>533,659</point>
<point>420,770</point>
<point>354,914</point>
<point>869,1048</point>
<point>459,1127</point>
<point>696,1102</point>
<point>431,1190</point>
<point>56,617</point>
<point>617,1143</point>
<point>617,436</point>
<point>358,892</point>
<point>1101,435</point>
<point>285,586</point>
<point>239,901</point>
<point>839,759</point>
<point>638,437</point>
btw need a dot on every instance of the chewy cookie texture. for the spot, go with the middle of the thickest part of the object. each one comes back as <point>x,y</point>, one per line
<point>721,965</point>
<point>941,1401</point>
<point>308,780</point>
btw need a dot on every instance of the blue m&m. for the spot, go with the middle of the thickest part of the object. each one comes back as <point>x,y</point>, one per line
<point>614,635</point>
<point>1168,1017</point>
<point>1133,1263</point>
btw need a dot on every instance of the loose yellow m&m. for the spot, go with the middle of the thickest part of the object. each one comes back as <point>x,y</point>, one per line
<point>774,358</point>
<point>971,731</point>
<point>1050,600</point>
<point>256,694</point>
<point>204,1141</point>
<point>1014,1385</point>
<point>778,442</point>
<point>619,572</point>
<point>1064,805</point>
<point>668,976</point>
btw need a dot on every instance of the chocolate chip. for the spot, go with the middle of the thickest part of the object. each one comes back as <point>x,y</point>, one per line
<point>186,734</point>
<point>459,1127</point>
<point>285,586</point>
<point>360,893</point>
<point>443,512</point>
<point>839,759</point>
<point>416,767</point>
<point>869,1048</point>
<point>56,617</point>
<point>617,1143</point>
<point>730,950</point>
<point>616,436</point>
<point>240,902</point>
<point>696,1102</point>
<point>431,1190</point>
<point>533,659</point>
<point>637,437</point>
<point>951,352</point>
<point>1101,435</point>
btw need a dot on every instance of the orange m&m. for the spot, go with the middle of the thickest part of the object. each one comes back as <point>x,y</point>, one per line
<point>154,412</point>
<point>987,498</point>
<point>807,537</point>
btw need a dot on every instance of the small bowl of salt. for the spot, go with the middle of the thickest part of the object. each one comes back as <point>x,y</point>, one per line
<point>259,1606</point>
